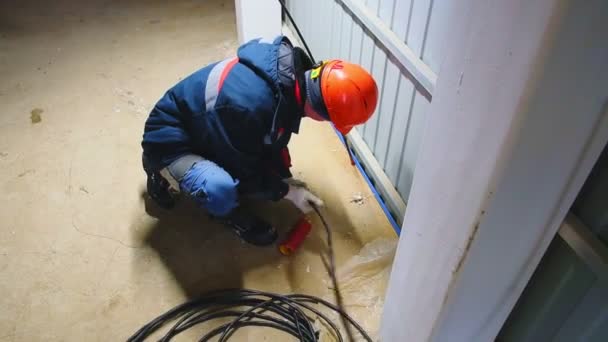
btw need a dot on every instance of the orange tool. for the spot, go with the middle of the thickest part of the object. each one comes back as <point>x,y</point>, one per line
<point>296,236</point>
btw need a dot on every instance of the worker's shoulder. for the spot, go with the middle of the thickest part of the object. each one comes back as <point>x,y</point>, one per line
<point>244,88</point>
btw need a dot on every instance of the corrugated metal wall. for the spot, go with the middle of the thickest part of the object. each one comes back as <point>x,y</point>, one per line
<point>341,29</point>
<point>565,299</point>
<point>591,205</point>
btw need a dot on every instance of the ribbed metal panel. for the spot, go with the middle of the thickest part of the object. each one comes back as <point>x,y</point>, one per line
<point>333,31</point>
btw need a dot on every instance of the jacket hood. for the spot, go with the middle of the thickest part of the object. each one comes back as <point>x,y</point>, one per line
<point>261,56</point>
<point>280,64</point>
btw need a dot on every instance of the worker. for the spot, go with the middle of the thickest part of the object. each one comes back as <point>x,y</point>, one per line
<point>221,133</point>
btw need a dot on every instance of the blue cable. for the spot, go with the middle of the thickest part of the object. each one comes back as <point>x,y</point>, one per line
<point>387,212</point>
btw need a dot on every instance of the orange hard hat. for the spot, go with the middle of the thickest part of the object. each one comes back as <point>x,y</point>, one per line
<point>349,93</point>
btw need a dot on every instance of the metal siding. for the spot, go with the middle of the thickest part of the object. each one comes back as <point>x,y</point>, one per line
<point>418,25</point>
<point>367,52</point>
<point>398,133</point>
<point>591,205</point>
<point>393,134</point>
<point>328,24</point>
<point>412,143</point>
<point>346,33</point>
<point>309,28</point>
<point>336,30</point>
<point>387,105</point>
<point>589,320</point>
<point>356,43</point>
<point>437,27</point>
<point>566,299</point>
<point>379,70</point>
<point>402,16</point>
<point>379,73</point>
<point>291,6</point>
<point>557,287</point>
<point>386,10</point>
<point>304,22</point>
<point>296,10</point>
<point>373,5</point>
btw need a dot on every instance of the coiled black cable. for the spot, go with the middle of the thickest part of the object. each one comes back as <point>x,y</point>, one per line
<point>293,314</point>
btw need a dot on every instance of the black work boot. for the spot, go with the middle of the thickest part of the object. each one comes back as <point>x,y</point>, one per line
<point>250,228</point>
<point>158,189</point>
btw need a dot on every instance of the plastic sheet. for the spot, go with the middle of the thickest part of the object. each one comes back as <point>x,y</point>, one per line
<point>363,280</point>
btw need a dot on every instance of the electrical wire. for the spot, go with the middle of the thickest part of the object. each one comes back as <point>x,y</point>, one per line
<point>293,314</point>
<point>295,26</point>
<point>284,7</point>
<point>331,269</point>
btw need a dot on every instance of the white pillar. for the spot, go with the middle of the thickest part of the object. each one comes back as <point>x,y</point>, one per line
<point>517,120</point>
<point>257,18</point>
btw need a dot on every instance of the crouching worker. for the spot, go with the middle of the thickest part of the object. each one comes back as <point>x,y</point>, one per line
<point>222,132</point>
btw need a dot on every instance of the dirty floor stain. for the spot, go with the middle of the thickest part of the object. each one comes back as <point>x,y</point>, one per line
<point>35,115</point>
<point>25,173</point>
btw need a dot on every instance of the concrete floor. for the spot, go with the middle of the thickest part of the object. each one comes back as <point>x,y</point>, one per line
<point>83,256</point>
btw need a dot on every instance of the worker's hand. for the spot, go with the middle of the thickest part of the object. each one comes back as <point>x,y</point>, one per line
<point>303,198</point>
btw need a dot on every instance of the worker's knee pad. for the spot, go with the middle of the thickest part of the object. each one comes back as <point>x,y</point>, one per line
<point>211,187</point>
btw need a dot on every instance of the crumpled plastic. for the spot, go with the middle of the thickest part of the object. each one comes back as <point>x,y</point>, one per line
<point>363,280</point>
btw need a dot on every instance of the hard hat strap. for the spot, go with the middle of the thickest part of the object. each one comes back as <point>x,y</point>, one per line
<point>314,95</point>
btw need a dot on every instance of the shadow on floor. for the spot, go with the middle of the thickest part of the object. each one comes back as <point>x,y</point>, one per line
<point>203,255</point>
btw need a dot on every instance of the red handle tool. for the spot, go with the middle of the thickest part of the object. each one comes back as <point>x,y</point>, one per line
<point>296,236</point>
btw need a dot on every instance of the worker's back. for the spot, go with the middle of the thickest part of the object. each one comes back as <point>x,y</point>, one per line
<point>224,112</point>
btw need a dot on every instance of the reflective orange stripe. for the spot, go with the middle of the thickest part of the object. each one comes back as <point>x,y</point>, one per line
<point>216,79</point>
<point>226,71</point>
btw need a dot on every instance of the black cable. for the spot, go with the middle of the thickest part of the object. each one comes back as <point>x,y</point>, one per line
<point>230,328</point>
<point>285,313</point>
<point>295,26</point>
<point>332,274</point>
<point>315,300</point>
<point>297,29</point>
<point>253,308</point>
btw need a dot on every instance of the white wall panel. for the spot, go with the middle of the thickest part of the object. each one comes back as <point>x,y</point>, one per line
<point>418,25</point>
<point>356,44</point>
<point>308,27</point>
<point>346,36</point>
<point>336,30</point>
<point>412,143</point>
<point>324,27</point>
<point>373,5</point>
<point>401,20</point>
<point>378,72</point>
<point>437,31</point>
<point>386,10</point>
<point>387,107</point>
<point>249,14</point>
<point>398,133</point>
<point>367,52</point>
